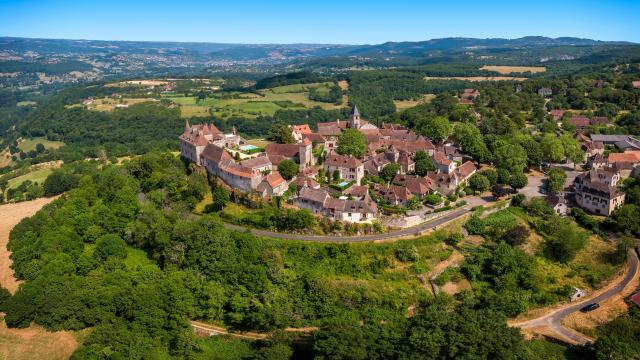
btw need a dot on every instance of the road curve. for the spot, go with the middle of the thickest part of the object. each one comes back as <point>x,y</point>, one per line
<point>415,230</point>
<point>554,319</point>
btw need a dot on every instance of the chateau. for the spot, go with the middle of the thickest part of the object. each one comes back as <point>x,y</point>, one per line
<point>230,158</point>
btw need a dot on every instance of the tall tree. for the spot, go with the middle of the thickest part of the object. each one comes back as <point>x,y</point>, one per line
<point>470,139</point>
<point>511,157</point>
<point>352,142</point>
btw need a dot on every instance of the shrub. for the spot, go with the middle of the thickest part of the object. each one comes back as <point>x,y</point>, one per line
<point>288,169</point>
<point>433,199</point>
<point>110,245</point>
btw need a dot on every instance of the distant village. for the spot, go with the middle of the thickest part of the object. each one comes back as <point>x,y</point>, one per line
<point>333,186</point>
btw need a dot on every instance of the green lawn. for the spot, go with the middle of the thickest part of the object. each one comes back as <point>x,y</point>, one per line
<point>38,176</point>
<point>30,144</point>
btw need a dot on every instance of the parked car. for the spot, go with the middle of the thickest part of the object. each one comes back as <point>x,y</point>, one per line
<point>590,307</point>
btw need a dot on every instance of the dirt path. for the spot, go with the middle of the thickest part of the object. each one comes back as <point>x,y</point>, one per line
<point>33,342</point>
<point>211,330</point>
<point>10,215</point>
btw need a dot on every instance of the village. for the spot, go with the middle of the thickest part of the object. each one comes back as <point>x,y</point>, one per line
<point>350,189</point>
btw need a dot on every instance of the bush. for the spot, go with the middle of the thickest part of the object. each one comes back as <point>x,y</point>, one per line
<point>518,181</point>
<point>110,245</point>
<point>479,182</point>
<point>288,169</point>
<point>517,199</point>
<point>454,239</point>
<point>433,199</point>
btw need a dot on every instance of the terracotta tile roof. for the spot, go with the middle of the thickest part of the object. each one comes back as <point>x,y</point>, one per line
<point>215,154</point>
<point>301,129</point>
<point>342,161</point>
<point>359,206</point>
<point>440,158</point>
<point>554,200</point>
<point>274,179</point>
<point>232,168</point>
<point>314,195</point>
<point>601,189</point>
<point>256,162</point>
<point>557,113</point>
<point>305,181</point>
<point>579,121</point>
<point>636,84</point>
<point>358,191</point>
<point>465,170</point>
<point>415,184</point>
<point>279,152</point>
<point>314,137</point>
<point>331,128</point>
<point>635,298</point>
<point>625,157</point>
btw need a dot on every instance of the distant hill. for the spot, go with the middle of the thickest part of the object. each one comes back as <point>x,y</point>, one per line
<point>257,51</point>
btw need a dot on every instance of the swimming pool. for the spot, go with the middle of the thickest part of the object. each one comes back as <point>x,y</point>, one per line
<point>248,147</point>
<point>343,184</point>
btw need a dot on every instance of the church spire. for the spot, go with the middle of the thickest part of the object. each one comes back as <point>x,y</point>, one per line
<point>355,111</point>
<point>187,127</point>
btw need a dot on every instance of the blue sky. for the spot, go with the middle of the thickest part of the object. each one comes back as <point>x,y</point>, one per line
<point>322,21</point>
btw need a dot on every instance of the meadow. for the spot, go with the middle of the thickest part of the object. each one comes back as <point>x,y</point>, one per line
<point>254,104</point>
<point>514,69</point>
<point>476,78</point>
<point>37,176</point>
<point>406,104</point>
<point>27,145</point>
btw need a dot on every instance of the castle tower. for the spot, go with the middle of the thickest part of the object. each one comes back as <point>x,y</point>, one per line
<point>305,154</point>
<point>354,121</point>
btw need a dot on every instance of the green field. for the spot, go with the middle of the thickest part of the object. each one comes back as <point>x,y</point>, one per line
<point>30,144</point>
<point>253,104</point>
<point>38,176</point>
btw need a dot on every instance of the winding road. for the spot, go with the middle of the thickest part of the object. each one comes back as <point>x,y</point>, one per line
<point>415,230</point>
<point>553,320</point>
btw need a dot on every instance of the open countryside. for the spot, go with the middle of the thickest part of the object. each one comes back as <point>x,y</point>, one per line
<point>514,69</point>
<point>278,186</point>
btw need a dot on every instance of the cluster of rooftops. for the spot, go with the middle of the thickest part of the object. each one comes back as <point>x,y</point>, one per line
<point>207,146</point>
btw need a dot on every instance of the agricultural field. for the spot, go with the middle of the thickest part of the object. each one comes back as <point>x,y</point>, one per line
<point>37,176</point>
<point>253,104</point>
<point>5,158</point>
<point>406,104</point>
<point>514,69</point>
<point>138,83</point>
<point>476,78</point>
<point>26,103</point>
<point>108,104</point>
<point>35,342</point>
<point>27,145</point>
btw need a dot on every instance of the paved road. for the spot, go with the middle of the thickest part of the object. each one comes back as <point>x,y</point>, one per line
<point>416,230</point>
<point>554,319</point>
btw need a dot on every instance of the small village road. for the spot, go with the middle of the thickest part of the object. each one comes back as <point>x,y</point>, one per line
<point>415,230</point>
<point>554,319</point>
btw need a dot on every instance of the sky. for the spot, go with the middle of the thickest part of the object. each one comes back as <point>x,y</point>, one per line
<point>322,21</point>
